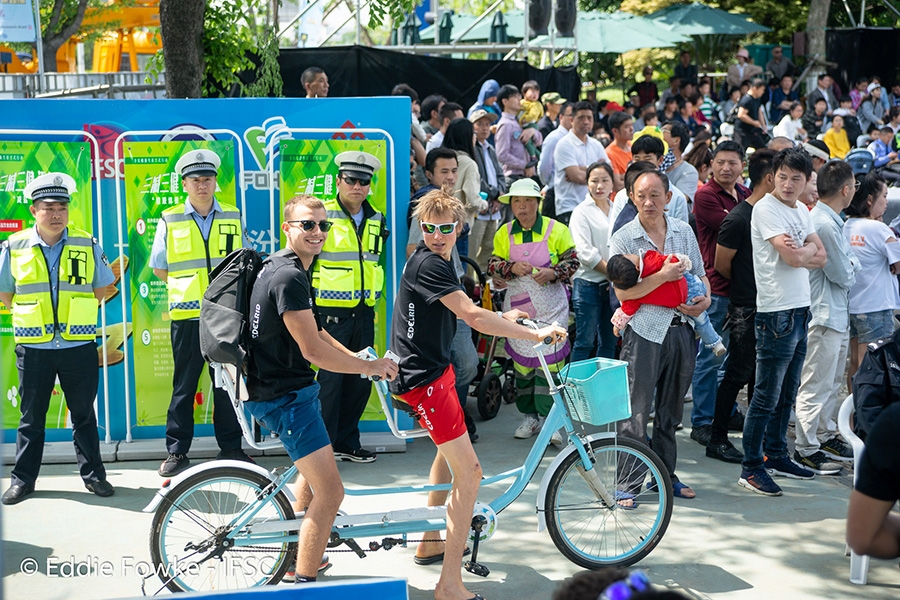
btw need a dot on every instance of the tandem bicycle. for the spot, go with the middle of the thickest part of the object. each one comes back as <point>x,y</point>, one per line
<point>604,500</point>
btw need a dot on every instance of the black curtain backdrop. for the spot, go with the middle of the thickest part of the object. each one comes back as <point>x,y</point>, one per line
<point>363,71</point>
<point>863,53</point>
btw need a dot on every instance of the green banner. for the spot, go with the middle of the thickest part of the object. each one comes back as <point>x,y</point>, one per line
<point>152,186</point>
<point>20,163</point>
<point>308,167</point>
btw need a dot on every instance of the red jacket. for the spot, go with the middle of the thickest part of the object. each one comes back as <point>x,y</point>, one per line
<point>670,294</point>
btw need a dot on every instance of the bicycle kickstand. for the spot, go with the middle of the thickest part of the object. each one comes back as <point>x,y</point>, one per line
<point>472,566</point>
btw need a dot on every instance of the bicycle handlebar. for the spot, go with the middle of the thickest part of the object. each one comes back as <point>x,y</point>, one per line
<point>534,324</point>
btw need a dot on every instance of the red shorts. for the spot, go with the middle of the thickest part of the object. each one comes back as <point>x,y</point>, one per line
<point>438,408</point>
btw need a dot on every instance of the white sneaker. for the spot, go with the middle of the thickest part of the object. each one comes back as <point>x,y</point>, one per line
<point>530,426</point>
<point>557,440</point>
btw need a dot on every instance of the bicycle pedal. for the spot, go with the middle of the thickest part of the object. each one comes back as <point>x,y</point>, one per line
<point>477,569</point>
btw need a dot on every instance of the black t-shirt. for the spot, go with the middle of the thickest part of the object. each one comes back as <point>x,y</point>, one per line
<point>423,328</point>
<point>752,105</point>
<point>276,365</point>
<point>879,468</point>
<point>734,233</point>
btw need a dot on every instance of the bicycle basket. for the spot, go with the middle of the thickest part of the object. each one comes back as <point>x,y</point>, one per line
<point>596,390</point>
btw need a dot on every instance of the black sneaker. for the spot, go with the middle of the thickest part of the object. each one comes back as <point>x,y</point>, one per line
<point>173,465</point>
<point>736,422</point>
<point>102,488</point>
<point>235,455</point>
<point>701,434</point>
<point>785,467</point>
<point>819,463</point>
<point>725,452</point>
<point>838,449</point>
<point>757,480</point>
<point>360,455</point>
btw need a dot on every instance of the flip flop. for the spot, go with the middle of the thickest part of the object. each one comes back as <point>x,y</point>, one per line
<point>436,558</point>
<point>620,496</point>
<point>678,490</point>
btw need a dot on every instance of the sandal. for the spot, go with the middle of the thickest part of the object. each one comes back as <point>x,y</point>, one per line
<point>624,497</point>
<point>681,490</point>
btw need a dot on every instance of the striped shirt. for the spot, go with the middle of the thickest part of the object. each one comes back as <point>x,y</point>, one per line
<point>652,322</point>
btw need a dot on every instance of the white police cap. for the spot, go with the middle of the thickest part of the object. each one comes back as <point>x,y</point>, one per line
<point>198,163</point>
<point>51,187</point>
<point>357,164</point>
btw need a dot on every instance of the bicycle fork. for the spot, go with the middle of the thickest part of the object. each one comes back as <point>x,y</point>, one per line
<point>593,480</point>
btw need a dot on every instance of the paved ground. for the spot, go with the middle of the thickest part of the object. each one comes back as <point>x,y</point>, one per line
<point>726,544</point>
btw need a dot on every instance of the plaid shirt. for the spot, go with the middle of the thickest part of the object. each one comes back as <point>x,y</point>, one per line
<point>652,322</point>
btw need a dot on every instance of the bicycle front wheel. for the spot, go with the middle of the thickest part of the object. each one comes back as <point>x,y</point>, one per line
<point>592,534</point>
<point>188,543</point>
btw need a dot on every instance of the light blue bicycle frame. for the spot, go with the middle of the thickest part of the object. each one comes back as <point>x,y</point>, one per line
<point>389,523</point>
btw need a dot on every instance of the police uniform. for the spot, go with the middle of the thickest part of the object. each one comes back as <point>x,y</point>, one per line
<point>54,313</point>
<point>189,246</point>
<point>348,280</point>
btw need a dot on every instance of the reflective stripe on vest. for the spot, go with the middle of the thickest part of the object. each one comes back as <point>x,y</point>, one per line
<point>35,318</point>
<point>191,258</point>
<point>347,270</point>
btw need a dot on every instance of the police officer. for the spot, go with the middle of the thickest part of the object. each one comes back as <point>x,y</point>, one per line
<point>348,281</point>
<point>191,239</point>
<point>52,278</point>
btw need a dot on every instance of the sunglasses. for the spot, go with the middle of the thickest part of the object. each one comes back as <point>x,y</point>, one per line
<point>444,228</point>
<point>354,180</point>
<point>324,226</point>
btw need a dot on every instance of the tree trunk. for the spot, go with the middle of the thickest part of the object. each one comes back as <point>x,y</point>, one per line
<point>56,34</point>
<point>181,29</point>
<point>815,27</point>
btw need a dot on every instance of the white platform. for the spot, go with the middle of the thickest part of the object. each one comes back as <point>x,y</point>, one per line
<point>205,447</point>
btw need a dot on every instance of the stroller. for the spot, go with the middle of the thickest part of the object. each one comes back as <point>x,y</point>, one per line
<point>495,382</point>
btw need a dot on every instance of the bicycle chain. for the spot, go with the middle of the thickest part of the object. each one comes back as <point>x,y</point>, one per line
<point>379,546</point>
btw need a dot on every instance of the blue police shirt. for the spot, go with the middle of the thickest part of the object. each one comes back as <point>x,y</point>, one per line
<point>103,276</point>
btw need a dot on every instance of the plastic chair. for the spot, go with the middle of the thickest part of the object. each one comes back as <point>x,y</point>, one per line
<point>859,564</point>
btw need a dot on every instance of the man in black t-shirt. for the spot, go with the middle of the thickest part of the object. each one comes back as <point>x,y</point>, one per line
<point>872,529</point>
<point>734,261</point>
<point>286,336</point>
<point>424,322</point>
<point>750,129</point>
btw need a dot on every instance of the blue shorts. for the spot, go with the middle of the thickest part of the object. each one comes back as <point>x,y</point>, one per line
<point>296,418</point>
<point>873,326</point>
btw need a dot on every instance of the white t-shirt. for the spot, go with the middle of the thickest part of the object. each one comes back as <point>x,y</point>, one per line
<point>590,230</point>
<point>778,285</point>
<point>875,288</point>
<point>572,152</point>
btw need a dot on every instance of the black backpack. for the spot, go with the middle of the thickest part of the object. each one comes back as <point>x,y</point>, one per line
<point>225,310</point>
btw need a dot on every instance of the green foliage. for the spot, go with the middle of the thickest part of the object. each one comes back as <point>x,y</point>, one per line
<point>268,72</point>
<point>395,9</point>
<point>227,41</point>
<point>230,35</point>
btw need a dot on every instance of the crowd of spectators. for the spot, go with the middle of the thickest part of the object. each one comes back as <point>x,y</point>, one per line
<point>736,190</point>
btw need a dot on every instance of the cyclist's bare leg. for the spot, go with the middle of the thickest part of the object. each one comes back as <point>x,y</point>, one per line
<point>320,470</point>
<point>440,473</point>
<point>302,493</point>
<point>463,462</point>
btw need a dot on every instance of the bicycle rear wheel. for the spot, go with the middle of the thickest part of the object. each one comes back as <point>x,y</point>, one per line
<point>592,534</point>
<point>187,538</point>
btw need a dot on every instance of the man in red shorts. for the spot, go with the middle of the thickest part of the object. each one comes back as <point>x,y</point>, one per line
<point>424,323</point>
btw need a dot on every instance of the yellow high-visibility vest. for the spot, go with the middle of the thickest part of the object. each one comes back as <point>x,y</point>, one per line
<point>35,317</point>
<point>191,258</point>
<point>347,273</point>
